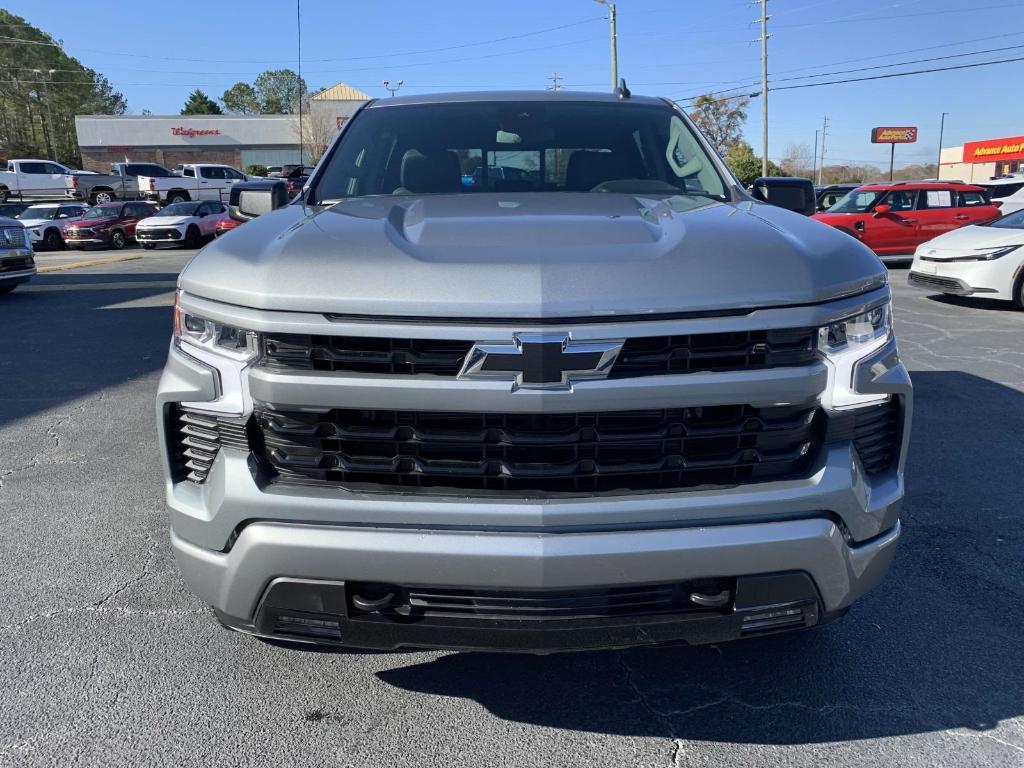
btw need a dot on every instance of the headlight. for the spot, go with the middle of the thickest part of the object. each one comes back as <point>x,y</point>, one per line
<point>845,343</point>
<point>221,339</point>
<point>985,254</point>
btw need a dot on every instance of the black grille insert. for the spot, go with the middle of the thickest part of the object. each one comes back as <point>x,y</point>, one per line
<point>546,605</point>
<point>571,453</point>
<point>640,356</point>
<point>16,265</point>
<point>876,436</point>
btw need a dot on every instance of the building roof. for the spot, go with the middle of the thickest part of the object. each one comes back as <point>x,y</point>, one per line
<point>341,92</point>
<point>485,96</point>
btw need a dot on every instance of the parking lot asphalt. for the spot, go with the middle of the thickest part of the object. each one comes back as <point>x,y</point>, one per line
<point>107,659</point>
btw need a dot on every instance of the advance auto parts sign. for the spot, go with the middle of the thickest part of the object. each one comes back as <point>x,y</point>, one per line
<point>993,150</point>
<point>897,135</point>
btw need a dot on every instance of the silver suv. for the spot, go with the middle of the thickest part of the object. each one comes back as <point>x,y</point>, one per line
<point>606,400</point>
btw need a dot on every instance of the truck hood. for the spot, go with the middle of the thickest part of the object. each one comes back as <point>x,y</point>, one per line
<point>533,255</point>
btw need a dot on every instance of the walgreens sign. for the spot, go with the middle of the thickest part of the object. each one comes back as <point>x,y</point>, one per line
<point>191,133</point>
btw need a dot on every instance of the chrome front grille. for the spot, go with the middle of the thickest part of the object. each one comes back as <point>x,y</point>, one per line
<point>12,237</point>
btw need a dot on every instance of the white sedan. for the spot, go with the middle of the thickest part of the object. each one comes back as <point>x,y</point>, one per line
<point>978,260</point>
<point>186,224</point>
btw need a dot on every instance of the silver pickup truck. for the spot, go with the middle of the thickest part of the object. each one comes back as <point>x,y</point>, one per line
<point>120,184</point>
<point>612,400</point>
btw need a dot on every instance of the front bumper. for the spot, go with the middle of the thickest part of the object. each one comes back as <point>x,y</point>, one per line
<point>148,236</point>
<point>992,279</point>
<point>18,274</point>
<point>243,585</point>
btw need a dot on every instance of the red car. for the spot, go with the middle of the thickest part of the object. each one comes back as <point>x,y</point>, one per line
<point>225,225</point>
<point>893,218</point>
<point>110,225</point>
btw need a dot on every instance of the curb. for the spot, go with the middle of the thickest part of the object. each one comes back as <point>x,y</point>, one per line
<point>89,263</point>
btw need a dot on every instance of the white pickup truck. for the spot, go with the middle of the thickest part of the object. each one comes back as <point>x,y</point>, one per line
<point>33,179</point>
<point>198,181</point>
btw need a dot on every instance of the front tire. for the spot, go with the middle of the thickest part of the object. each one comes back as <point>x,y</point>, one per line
<point>192,237</point>
<point>5,289</point>
<point>1018,292</point>
<point>4,194</point>
<point>52,240</point>
<point>148,246</point>
<point>103,196</point>
<point>117,240</point>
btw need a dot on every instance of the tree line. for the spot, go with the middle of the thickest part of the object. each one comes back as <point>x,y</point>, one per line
<point>41,90</point>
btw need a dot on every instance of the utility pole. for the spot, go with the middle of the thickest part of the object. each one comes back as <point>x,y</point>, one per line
<point>298,85</point>
<point>814,162</point>
<point>942,129</point>
<point>48,121</point>
<point>764,87</point>
<point>555,79</point>
<point>614,43</point>
<point>393,89</point>
<point>824,131</point>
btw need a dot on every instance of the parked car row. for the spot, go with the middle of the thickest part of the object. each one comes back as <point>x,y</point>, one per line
<point>50,226</point>
<point>45,179</point>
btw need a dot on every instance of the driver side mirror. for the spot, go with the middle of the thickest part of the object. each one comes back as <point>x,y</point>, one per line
<point>249,199</point>
<point>881,209</point>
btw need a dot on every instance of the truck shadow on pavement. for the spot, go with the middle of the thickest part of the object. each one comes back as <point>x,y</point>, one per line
<point>68,336</point>
<point>937,646</point>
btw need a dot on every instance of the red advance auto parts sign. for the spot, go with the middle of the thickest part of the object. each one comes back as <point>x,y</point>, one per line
<point>992,150</point>
<point>894,135</point>
<point>193,132</point>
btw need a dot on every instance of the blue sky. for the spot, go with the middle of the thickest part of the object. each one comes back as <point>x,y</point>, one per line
<point>157,52</point>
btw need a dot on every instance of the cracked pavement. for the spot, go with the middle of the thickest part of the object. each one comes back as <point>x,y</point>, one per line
<point>107,659</point>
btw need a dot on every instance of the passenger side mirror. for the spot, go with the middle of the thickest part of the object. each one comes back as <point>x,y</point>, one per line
<point>881,209</point>
<point>249,199</point>
<point>789,192</point>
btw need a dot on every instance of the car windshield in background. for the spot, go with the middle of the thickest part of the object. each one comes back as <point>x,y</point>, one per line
<point>528,146</point>
<point>179,209</point>
<point>856,201</point>
<point>39,212</point>
<point>102,212</point>
<point>1013,220</point>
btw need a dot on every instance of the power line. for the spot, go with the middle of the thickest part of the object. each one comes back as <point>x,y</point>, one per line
<point>900,74</point>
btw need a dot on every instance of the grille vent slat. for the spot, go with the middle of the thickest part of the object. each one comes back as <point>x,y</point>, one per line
<point>196,439</point>
<point>876,436</point>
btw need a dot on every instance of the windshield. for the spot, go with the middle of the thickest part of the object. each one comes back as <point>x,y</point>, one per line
<point>179,209</point>
<point>856,201</point>
<point>102,212</point>
<point>39,212</point>
<point>1013,220</point>
<point>477,147</point>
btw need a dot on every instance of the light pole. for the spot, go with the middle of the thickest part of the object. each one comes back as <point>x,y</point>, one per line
<point>942,129</point>
<point>814,163</point>
<point>614,42</point>
<point>764,87</point>
<point>393,89</point>
<point>48,127</point>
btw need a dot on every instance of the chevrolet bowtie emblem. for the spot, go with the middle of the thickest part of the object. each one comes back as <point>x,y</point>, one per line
<point>541,360</point>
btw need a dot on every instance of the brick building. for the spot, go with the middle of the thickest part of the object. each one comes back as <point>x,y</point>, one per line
<point>235,140</point>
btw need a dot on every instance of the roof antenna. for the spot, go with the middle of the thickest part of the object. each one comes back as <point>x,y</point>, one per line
<point>622,91</point>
